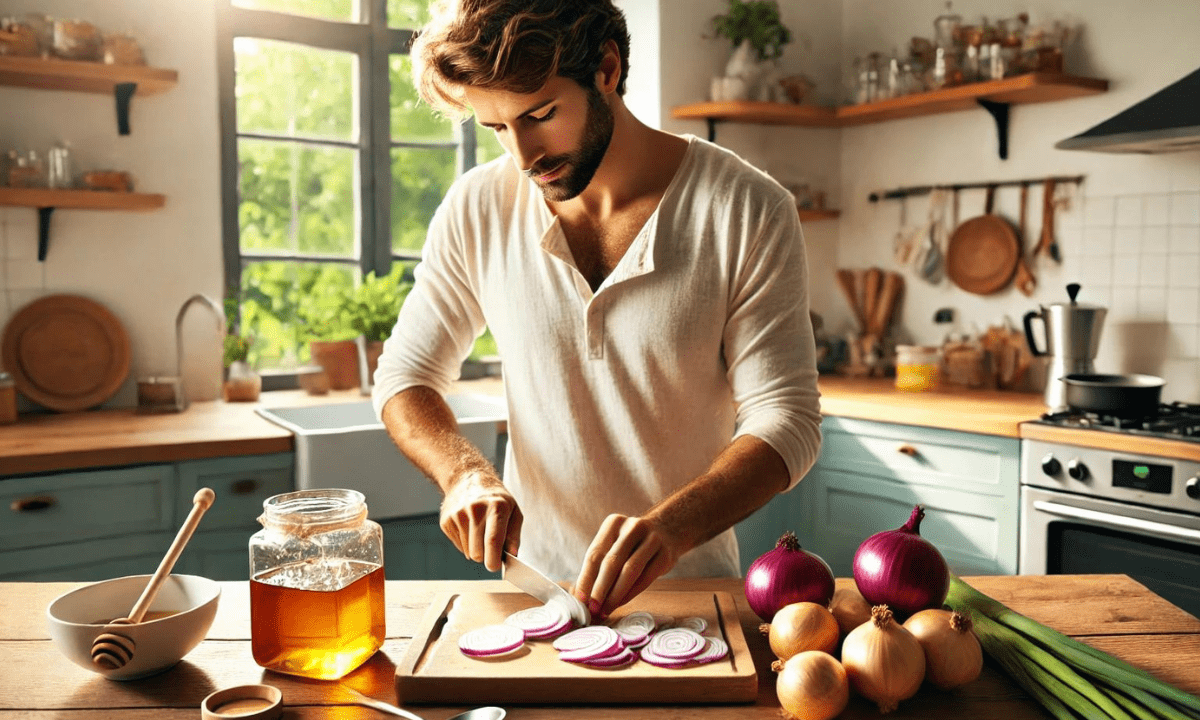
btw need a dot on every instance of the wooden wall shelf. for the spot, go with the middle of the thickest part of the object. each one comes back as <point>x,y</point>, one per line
<point>47,200</point>
<point>89,77</point>
<point>819,214</point>
<point>994,95</point>
<point>121,81</point>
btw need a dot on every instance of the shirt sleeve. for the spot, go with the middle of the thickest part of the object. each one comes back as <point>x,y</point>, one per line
<point>769,344</point>
<point>439,320</point>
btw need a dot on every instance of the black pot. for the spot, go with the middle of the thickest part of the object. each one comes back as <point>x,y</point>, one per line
<point>1127,396</point>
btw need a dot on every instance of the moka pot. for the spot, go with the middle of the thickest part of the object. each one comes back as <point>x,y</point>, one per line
<point>1072,337</point>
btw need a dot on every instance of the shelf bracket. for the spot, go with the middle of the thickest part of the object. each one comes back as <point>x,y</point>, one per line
<point>123,92</point>
<point>999,113</point>
<point>43,231</point>
<point>712,129</point>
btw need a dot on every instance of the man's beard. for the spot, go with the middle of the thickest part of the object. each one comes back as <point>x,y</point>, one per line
<point>582,163</point>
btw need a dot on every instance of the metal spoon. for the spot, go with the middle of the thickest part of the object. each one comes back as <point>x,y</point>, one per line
<point>482,713</point>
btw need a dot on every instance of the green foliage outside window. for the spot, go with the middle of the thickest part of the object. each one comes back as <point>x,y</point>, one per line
<point>297,197</point>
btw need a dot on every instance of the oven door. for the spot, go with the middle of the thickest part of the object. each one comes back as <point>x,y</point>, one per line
<point>1064,533</point>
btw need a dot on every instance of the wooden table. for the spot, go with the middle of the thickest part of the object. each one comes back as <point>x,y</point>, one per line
<point>1111,612</point>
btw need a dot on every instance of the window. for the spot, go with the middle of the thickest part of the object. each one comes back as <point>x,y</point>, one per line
<point>331,168</point>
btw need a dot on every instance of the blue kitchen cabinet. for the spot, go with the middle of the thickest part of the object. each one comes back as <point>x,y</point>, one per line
<point>871,474</point>
<point>220,548</point>
<point>106,522</point>
<point>787,511</point>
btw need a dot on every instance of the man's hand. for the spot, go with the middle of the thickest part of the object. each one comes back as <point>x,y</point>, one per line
<point>627,554</point>
<point>481,518</point>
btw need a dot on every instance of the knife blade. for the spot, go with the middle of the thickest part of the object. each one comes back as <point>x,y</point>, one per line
<point>529,580</point>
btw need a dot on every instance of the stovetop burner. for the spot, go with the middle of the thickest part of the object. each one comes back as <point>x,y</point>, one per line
<point>1175,421</point>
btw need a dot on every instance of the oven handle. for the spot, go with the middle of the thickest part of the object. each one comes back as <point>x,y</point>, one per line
<point>1161,530</point>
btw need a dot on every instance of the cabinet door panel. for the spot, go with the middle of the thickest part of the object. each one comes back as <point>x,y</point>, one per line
<point>415,548</point>
<point>87,561</point>
<point>240,484</point>
<point>966,528</point>
<point>53,509</point>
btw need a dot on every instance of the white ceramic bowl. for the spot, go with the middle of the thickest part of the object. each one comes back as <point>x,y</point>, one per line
<point>77,617</point>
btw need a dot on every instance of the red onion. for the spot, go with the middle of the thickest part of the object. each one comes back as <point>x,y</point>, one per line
<point>785,575</point>
<point>901,569</point>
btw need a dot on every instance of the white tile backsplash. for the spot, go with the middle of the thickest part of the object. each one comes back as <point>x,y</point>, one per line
<point>1099,212</point>
<point>1153,270</point>
<point>1183,341</point>
<point>1156,239</point>
<point>1156,210</point>
<point>1152,304</point>
<point>1126,270</point>
<point>1129,212</point>
<point>1185,208</point>
<point>1183,305</point>
<point>1184,271</point>
<point>1184,239</point>
<point>24,275</point>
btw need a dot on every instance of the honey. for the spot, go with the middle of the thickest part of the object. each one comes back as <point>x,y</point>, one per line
<point>323,632</point>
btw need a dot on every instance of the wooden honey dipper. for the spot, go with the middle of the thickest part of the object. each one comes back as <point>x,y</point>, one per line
<point>112,650</point>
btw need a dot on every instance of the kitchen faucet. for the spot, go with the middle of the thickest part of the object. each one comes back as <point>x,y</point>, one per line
<point>182,402</point>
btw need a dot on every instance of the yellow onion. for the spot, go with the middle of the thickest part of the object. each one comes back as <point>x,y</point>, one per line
<point>812,685</point>
<point>850,609</point>
<point>884,662</point>
<point>799,627</point>
<point>952,653</point>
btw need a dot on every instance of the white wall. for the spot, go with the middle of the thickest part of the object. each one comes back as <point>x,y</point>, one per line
<point>142,266</point>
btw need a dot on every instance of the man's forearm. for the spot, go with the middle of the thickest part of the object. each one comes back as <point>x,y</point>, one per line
<point>424,428</point>
<point>743,478</point>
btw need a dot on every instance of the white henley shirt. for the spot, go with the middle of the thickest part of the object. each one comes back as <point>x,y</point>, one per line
<point>619,397</point>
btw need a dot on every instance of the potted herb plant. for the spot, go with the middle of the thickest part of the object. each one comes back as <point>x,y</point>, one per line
<point>325,321</point>
<point>757,35</point>
<point>242,383</point>
<point>372,309</point>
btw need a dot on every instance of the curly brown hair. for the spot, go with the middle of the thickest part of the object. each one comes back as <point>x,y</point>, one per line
<point>513,45</point>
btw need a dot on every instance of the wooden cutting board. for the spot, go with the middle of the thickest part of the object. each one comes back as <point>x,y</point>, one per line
<point>433,670</point>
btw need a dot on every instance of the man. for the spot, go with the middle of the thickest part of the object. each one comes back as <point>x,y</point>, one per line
<point>647,293</point>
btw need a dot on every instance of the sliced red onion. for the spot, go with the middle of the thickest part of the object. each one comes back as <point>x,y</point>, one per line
<point>491,640</point>
<point>695,624</point>
<point>635,628</point>
<point>603,642</point>
<point>664,621</point>
<point>714,649</point>
<point>645,640</point>
<point>575,640</point>
<point>675,644</point>
<point>540,622</point>
<point>656,659</point>
<point>624,657</point>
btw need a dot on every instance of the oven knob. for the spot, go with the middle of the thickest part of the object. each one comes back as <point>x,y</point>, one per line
<point>1193,487</point>
<point>1050,465</point>
<point>1077,469</point>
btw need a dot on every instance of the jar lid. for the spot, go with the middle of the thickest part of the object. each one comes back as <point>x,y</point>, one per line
<point>243,702</point>
<point>5,377</point>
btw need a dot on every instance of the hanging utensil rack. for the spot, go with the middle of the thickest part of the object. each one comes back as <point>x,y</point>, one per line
<point>901,193</point>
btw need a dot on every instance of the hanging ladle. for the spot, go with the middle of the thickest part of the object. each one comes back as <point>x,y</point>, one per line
<point>111,650</point>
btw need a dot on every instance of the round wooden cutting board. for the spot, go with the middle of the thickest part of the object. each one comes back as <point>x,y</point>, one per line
<point>66,352</point>
<point>982,255</point>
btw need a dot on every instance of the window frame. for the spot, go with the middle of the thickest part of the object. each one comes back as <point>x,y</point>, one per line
<point>374,43</point>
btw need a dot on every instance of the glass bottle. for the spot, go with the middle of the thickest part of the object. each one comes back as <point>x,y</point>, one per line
<point>316,584</point>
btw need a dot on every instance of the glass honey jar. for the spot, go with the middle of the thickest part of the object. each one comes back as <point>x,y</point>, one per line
<point>316,584</point>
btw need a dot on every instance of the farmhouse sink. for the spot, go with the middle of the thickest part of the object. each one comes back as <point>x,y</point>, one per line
<point>343,446</point>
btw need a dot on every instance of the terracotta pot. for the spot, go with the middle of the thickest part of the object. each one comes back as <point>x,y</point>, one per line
<point>339,359</point>
<point>374,350</point>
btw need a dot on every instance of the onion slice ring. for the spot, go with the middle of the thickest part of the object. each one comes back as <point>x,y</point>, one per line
<point>491,640</point>
<point>540,621</point>
<point>635,627</point>
<point>696,624</point>
<point>591,642</point>
<point>624,657</point>
<point>676,644</point>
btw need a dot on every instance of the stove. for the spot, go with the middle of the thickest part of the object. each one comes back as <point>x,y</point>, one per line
<point>1100,509</point>
<point>1173,421</point>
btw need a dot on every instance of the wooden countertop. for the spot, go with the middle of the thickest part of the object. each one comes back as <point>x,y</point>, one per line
<point>1111,612</point>
<point>107,438</point>
<point>988,412</point>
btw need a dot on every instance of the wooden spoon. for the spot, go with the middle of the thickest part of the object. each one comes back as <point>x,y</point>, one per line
<point>111,650</point>
<point>1025,281</point>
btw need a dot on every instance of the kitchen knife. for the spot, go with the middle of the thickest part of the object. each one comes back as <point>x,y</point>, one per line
<point>529,580</point>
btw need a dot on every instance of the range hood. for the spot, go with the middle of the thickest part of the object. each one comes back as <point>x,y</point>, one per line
<point>1167,121</point>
